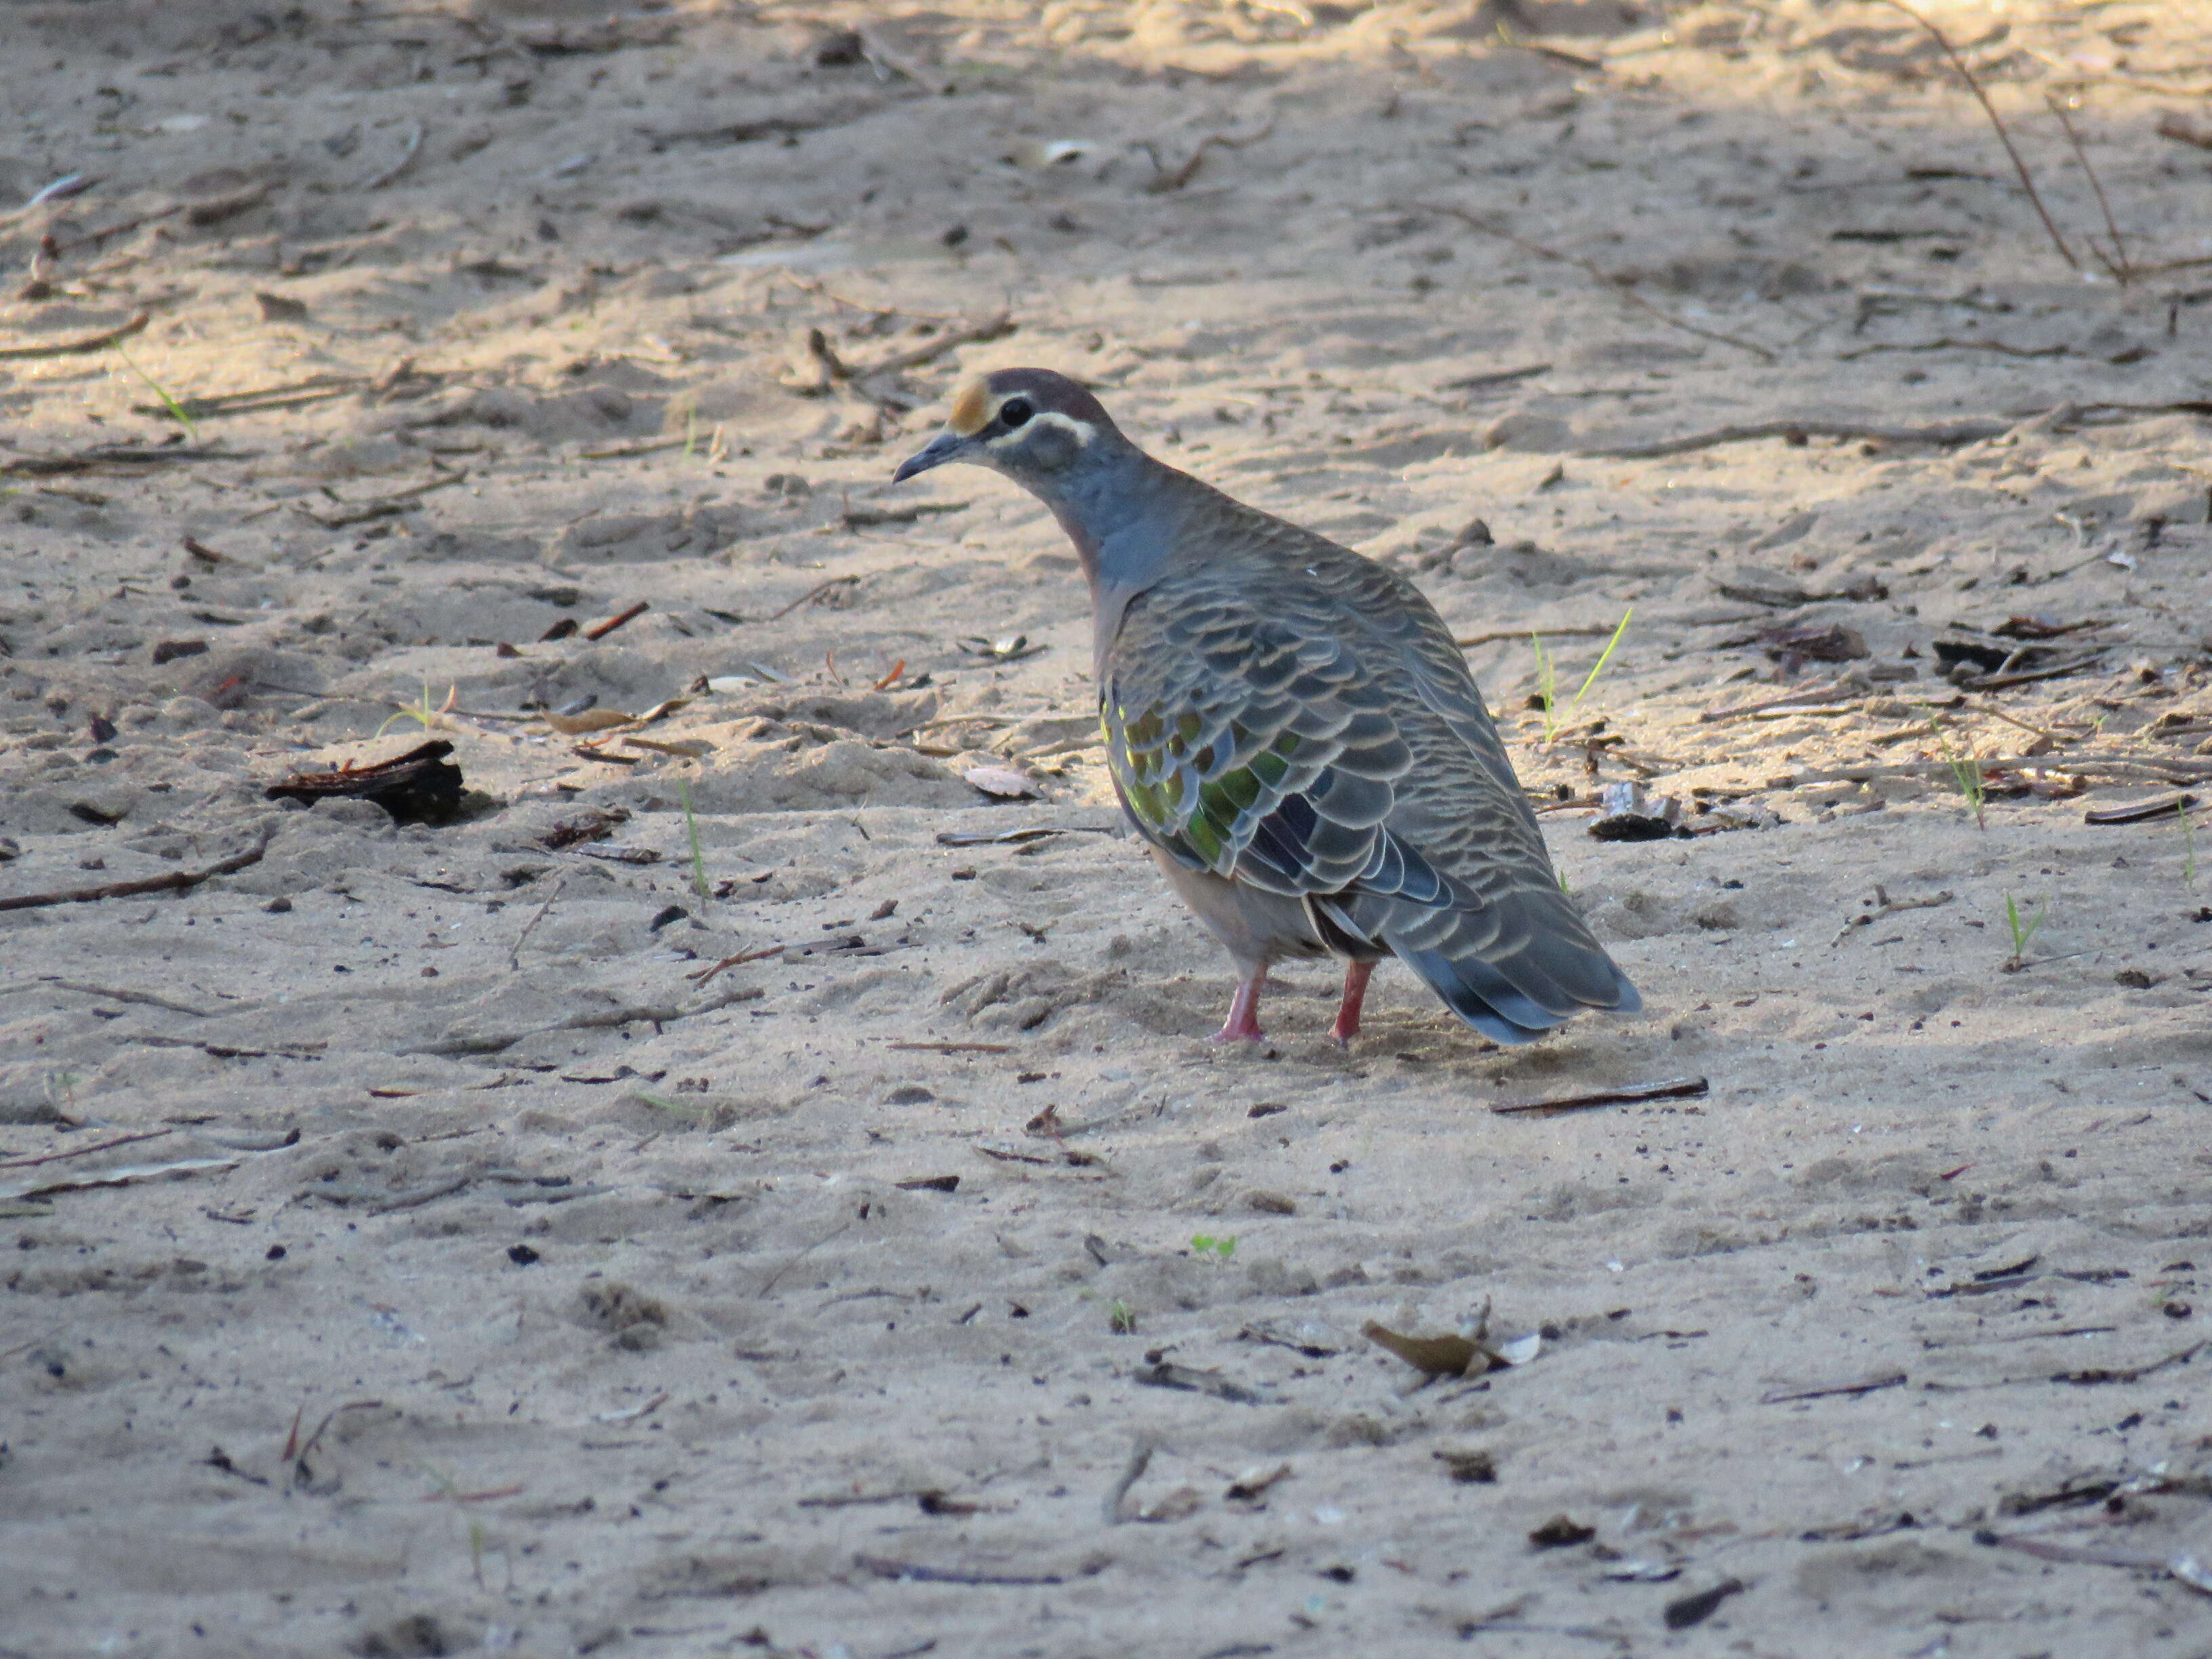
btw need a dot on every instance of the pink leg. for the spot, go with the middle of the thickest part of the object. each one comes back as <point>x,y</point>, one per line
<point>1243,1024</point>
<point>1348,1012</point>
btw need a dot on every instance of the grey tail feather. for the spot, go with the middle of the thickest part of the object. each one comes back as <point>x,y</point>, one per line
<point>1487,1000</point>
<point>1629,1002</point>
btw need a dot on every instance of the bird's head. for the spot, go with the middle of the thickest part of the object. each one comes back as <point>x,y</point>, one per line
<point>1039,428</point>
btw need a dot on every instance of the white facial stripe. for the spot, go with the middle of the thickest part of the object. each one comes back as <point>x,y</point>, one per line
<point>1083,431</point>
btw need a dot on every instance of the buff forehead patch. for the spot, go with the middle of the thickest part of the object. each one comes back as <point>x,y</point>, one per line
<point>972,408</point>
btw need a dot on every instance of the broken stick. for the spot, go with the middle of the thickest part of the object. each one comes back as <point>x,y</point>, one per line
<point>100,341</point>
<point>1673,1088</point>
<point>175,882</point>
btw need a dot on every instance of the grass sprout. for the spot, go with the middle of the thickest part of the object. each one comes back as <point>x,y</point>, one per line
<point>1966,770</point>
<point>1547,678</point>
<point>2024,930</point>
<point>1121,1318</point>
<point>691,832</point>
<point>423,712</point>
<point>176,410</point>
<point>1545,673</point>
<point>1220,1248</point>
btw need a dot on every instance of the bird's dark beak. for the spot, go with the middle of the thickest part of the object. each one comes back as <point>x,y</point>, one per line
<point>945,446</point>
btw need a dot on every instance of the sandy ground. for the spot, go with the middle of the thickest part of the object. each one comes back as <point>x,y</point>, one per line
<point>487,1272</point>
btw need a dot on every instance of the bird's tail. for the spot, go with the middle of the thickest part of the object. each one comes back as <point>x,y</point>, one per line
<point>1513,971</point>
<point>1486,997</point>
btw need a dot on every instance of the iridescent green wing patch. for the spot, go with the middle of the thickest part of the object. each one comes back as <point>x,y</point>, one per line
<point>1185,785</point>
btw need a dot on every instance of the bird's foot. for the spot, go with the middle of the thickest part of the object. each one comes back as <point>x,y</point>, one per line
<point>1355,997</point>
<point>1243,1024</point>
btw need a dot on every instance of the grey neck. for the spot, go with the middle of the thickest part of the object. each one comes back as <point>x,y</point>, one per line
<point>1121,509</point>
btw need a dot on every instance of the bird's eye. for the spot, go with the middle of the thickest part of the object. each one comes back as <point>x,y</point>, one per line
<point>1015,411</point>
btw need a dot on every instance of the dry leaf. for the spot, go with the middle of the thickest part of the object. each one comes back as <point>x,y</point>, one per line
<point>1438,1356</point>
<point>1469,1351</point>
<point>1003,781</point>
<point>1256,1479</point>
<point>592,720</point>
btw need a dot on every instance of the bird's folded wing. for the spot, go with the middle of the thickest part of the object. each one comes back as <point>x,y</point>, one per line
<point>1258,749</point>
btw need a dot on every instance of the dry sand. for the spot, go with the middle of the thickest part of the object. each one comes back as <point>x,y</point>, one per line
<point>517,1285</point>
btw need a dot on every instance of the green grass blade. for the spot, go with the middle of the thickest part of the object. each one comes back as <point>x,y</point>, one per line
<point>1603,660</point>
<point>176,410</point>
<point>692,830</point>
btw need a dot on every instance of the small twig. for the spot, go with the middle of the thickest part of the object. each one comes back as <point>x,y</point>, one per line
<point>631,452</point>
<point>772,126</point>
<point>812,593</point>
<point>384,506</point>
<point>899,363</point>
<point>842,1500</point>
<point>2165,771</point>
<point>83,1151</point>
<point>1047,1125</point>
<point>175,882</point>
<point>705,976</point>
<point>1943,435</point>
<point>406,159</point>
<point>953,1048</point>
<point>95,238</point>
<point>972,720</point>
<point>515,957</point>
<point>816,286</point>
<point>386,1198</point>
<point>2121,272</point>
<point>866,518</point>
<point>600,630</point>
<point>1890,907</point>
<point>1673,1088</point>
<point>1164,182</point>
<point>1596,631</point>
<point>768,1283</point>
<point>915,1573</point>
<point>319,388</point>
<point>2026,182</point>
<point>48,466</point>
<point>1946,343</point>
<point>83,343</point>
<point>329,1418</point>
<point>1999,680</point>
<point>1619,285</point>
<point>1494,380</point>
<point>1812,695</point>
<point>2013,720</point>
<point>1869,1384</point>
<point>2142,812</point>
<point>124,994</point>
